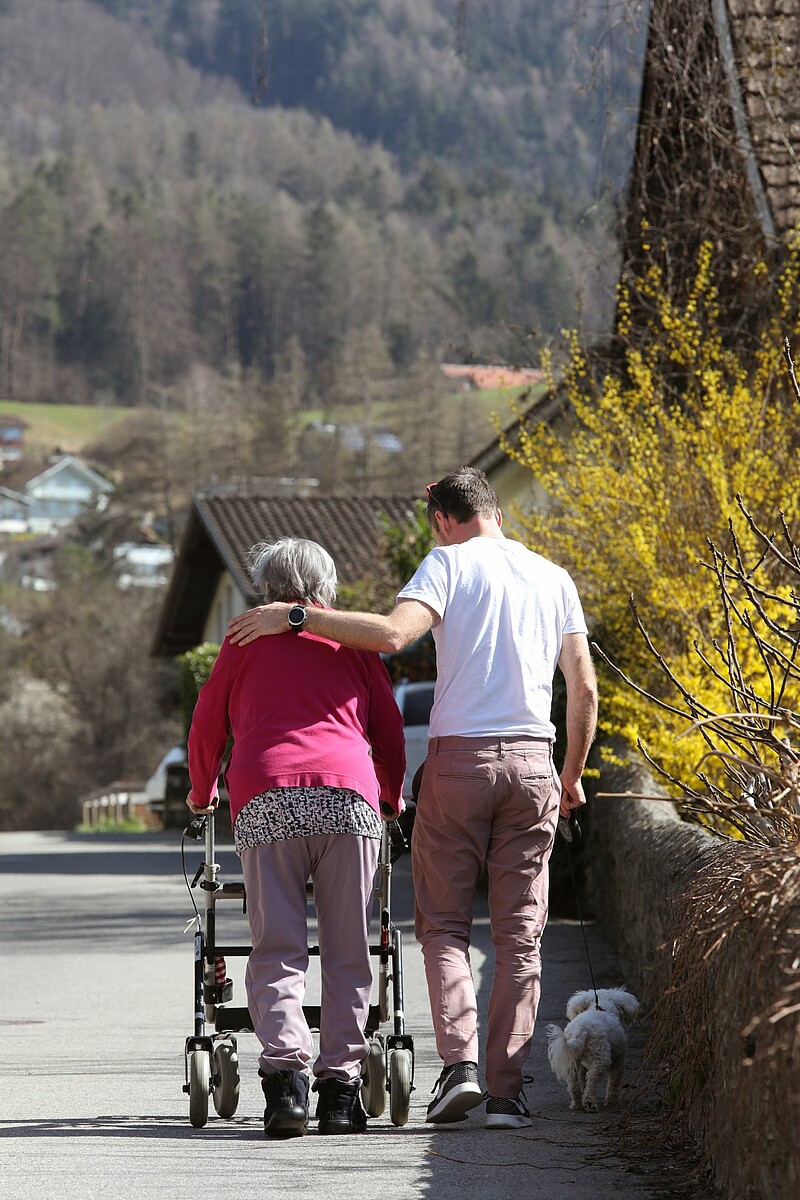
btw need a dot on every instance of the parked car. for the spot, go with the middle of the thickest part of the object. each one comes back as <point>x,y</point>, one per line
<point>156,784</point>
<point>167,787</point>
<point>414,701</point>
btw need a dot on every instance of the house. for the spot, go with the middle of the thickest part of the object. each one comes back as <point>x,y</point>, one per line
<point>63,491</point>
<point>12,434</point>
<point>28,562</point>
<point>475,377</point>
<point>717,144</point>
<point>514,484</point>
<point>14,511</point>
<point>142,564</point>
<point>355,438</point>
<point>209,583</point>
<point>334,451</point>
<point>716,158</point>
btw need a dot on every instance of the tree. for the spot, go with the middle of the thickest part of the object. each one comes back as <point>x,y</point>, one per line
<point>400,550</point>
<point>321,332</point>
<point>278,405</point>
<point>88,645</point>
<point>31,231</point>
<point>252,282</point>
<point>41,774</point>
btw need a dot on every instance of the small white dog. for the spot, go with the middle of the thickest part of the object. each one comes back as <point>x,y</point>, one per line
<point>593,1045</point>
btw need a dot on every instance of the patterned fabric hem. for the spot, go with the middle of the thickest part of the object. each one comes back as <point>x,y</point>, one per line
<point>282,813</point>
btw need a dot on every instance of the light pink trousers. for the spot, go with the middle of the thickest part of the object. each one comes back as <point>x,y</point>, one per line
<point>342,868</point>
<point>485,803</point>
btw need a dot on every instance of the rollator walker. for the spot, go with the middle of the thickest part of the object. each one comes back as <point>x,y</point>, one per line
<point>211,1054</point>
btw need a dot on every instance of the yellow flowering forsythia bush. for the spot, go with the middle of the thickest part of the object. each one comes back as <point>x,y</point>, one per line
<point>642,480</point>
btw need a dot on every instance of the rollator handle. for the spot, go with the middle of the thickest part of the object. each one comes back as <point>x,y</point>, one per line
<point>196,828</point>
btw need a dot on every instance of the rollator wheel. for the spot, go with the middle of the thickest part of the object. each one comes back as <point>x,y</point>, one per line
<point>226,1078</point>
<point>373,1072</point>
<point>199,1086</point>
<point>399,1086</point>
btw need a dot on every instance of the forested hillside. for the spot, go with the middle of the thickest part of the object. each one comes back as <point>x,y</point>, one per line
<point>481,84</point>
<point>259,228</point>
<point>306,202</point>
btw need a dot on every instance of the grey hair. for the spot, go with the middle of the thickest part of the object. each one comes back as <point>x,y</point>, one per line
<point>293,569</point>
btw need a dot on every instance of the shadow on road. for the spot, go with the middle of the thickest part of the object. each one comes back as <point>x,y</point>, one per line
<point>107,854</point>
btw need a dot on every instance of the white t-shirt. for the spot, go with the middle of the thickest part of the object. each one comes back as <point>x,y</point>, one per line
<point>504,612</point>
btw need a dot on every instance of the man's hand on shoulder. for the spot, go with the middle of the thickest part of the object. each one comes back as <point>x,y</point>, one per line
<point>258,622</point>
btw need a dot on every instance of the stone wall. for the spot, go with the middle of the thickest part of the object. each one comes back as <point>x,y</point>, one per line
<point>642,857</point>
<point>705,951</point>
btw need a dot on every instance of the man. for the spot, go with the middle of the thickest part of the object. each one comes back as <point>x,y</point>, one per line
<point>502,618</point>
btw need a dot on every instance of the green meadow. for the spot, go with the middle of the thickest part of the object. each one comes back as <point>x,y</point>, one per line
<point>70,428</point>
<point>66,427</point>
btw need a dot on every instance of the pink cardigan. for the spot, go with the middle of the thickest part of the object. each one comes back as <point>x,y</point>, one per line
<point>303,711</point>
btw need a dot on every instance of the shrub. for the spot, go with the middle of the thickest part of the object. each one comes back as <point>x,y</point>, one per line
<point>196,666</point>
<point>642,480</point>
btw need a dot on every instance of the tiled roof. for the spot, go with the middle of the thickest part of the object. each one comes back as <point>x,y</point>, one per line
<point>17,473</point>
<point>766,38</point>
<point>346,526</point>
<point>17,497</point>
<point>718,135</point>
<point>222,528</point>
<point>491,378</point>
<point>548,406</point>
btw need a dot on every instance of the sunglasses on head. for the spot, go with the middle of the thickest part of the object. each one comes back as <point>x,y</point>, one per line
<point>432,499</point>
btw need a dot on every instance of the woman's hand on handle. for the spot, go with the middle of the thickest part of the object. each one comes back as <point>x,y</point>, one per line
<point>196,808</point>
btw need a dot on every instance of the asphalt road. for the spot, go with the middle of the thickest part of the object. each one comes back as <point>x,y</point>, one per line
<point>96,1001</point>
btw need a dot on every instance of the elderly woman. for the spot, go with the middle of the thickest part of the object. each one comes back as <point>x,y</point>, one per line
<point>318,755</point>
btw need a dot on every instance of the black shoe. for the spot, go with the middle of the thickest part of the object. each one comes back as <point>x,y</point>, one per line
<point>502,1113</point>
<point>286,1094</point>
<point>455,1092</point>
<point>339,1106</point>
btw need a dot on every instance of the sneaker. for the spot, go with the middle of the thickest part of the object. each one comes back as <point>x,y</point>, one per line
<point>502,1113</point>
<point>455,1092</point>
<point>286,1094</point>
<point>339,1108</point>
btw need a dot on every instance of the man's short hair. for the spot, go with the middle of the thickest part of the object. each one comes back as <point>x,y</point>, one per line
<point>462,495</point>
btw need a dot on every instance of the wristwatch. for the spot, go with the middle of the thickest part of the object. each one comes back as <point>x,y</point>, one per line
<point>296,617</point>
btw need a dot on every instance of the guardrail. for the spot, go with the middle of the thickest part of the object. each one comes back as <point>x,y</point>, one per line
<point>115,804</point>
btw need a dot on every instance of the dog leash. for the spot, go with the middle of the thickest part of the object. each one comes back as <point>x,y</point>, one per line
<point>570,830</point>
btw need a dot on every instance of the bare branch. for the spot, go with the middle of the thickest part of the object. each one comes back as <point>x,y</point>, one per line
<point>793,566</point>
<point>626,678</point>
<point>691,701</point>
<point>787,353</point>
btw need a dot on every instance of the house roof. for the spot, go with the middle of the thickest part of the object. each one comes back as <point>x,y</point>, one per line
<point>70,462</point>
<point>17,497</point>
<point>222,528</point>
<point>17,473</point>
<point>491,378</point>
<point>548,404</point>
